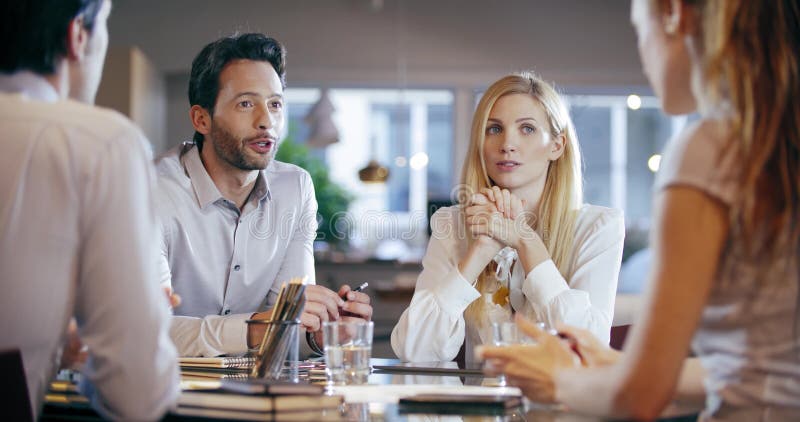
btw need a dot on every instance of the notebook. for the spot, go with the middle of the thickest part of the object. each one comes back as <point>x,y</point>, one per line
<point>265,404</point>
<point>228,362</point>
<point>268,387</point>
<point>188,374</point>
<point>241,415</point>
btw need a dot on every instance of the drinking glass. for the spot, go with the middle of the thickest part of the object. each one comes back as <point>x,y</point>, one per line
<point>508,334</point>
<point>348,348</point>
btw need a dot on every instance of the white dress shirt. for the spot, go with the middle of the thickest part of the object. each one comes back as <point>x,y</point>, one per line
<point>76,238</point>
<point>225,263</point>
<point>433,328</point>
<point>748,337</point>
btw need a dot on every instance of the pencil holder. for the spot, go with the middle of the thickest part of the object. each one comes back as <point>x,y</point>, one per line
<point>277,358</point>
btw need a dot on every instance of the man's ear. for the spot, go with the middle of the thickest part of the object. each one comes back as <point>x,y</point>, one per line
<point>201,119</point>
<point>77,39</point>
<point>557,148</point>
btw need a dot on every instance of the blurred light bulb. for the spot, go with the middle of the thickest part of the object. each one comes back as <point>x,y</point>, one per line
<point>400,161</point>
<point>634,102</point>
<point>418,161</point>
<point>654,162</point>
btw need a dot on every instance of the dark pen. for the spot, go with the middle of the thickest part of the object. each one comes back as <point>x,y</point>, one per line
<point>357,289</point>
<point>363,286</point>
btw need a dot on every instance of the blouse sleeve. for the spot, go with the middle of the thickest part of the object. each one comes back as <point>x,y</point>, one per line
<point>433,327</point>
<point>702,159</point>
<point>587,300</point>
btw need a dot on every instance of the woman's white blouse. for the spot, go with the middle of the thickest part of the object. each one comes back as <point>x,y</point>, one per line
<point>433,327</point>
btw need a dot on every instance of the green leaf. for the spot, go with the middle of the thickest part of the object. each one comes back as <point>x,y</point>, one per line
<point>332,200</point>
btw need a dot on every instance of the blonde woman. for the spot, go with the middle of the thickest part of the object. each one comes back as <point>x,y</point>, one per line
<point>725,275</point>
<point>522,240</point>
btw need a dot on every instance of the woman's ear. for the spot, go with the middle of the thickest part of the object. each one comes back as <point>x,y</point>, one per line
<point>676,17</point>
<point>77,39</point>
<point>557,147</point>
<point>201,119</point>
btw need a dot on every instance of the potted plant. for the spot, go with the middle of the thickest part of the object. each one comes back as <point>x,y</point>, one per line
<point>332,200</point>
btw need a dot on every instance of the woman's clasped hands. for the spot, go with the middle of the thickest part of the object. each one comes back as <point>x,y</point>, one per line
<point>500,215</point>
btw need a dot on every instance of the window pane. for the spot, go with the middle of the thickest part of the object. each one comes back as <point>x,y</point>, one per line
<point>299,131</point>
<point>391,138</point>
<point>593,125</point>
<point>440,151</point>
<point>648,131</point>
<point>410,132</point>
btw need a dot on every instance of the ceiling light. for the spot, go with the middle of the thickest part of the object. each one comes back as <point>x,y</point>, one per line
<point>634,102</point>
<point>654,162</point>
<point>419,161</point>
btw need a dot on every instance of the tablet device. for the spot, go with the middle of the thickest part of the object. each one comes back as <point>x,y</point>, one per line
<point>481,404</point>
<point>432,368</point>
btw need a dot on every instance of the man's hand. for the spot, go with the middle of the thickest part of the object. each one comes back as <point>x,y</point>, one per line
<point>173,298</point>
<point>357,306</point>
<point>74,354</point>
<point>255,332</point>
<point>322,304</point>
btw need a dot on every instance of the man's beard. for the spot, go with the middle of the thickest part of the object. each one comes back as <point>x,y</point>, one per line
<point>231,150</point>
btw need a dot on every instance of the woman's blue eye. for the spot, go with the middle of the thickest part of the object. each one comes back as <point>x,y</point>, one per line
<point>528,129</point>
<point>492,130</point>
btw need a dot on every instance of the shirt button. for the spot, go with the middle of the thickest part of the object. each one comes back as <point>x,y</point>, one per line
<point>227,312</point>
<point>237,267</point>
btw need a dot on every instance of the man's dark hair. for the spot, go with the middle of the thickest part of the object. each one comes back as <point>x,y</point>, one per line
<point>206,67</point>
<point>33,33</point>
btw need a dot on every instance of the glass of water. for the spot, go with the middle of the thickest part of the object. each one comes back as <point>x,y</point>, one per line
<point>508,334</point>
<point>348,348</point>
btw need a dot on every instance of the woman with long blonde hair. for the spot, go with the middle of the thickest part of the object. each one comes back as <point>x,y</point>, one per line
<point>521,239</point>
<point>726,245</point>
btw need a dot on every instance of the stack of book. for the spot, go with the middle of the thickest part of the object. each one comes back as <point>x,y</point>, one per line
<point>261,399</point>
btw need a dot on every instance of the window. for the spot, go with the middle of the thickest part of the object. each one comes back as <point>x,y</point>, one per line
<point>621,140</point>
<point>408,131</point>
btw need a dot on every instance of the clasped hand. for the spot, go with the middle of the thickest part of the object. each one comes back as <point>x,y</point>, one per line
<point>498,214</point>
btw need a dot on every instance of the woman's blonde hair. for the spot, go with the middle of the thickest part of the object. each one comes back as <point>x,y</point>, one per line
<point>562,195</point>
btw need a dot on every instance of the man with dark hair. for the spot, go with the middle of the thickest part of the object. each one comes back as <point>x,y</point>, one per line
<point>76,216</point>
<point>237,223</point>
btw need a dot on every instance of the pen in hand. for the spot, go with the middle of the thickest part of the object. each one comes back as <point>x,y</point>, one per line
<point>363,286</point>
<point>357,289</point>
